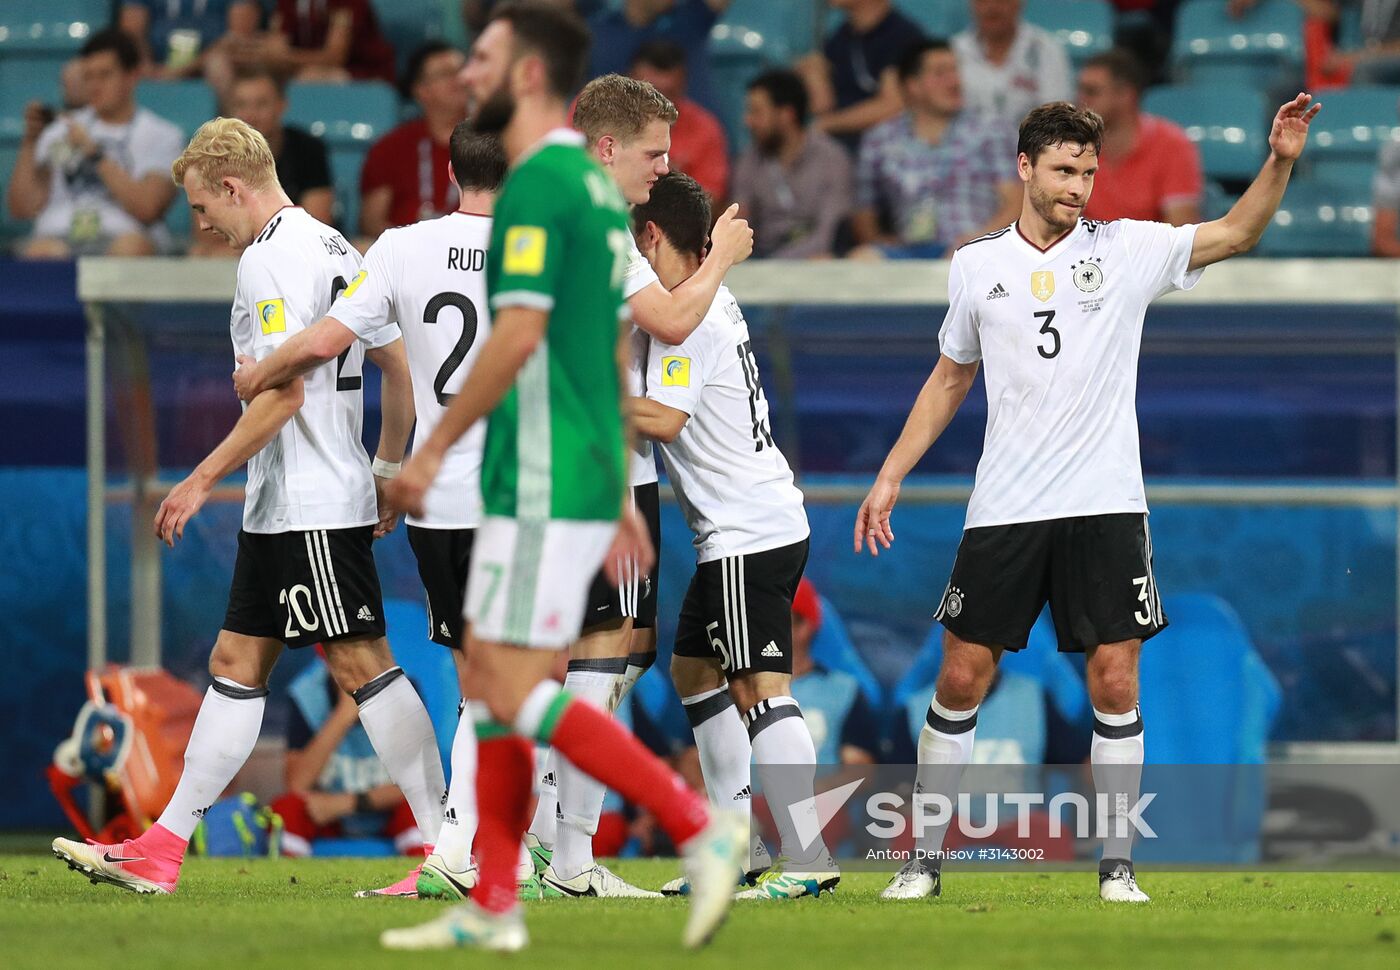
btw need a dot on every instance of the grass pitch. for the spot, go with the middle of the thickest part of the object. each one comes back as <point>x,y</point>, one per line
<point>283,913</point>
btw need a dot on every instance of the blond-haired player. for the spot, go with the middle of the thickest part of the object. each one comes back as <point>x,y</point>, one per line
<point>304,573</point>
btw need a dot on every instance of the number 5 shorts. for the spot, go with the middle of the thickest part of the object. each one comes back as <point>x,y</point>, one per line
<point>530,578</point>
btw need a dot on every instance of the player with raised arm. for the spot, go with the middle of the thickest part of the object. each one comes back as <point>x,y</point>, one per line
<point>1054,305</point>
<point>428,281</point>
<point>705,404</point>
<point>553,482</point>
<point>627,126</point>
<point>305,572</point>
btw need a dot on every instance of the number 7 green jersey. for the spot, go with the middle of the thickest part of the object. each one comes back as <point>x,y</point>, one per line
<point>559,243</point>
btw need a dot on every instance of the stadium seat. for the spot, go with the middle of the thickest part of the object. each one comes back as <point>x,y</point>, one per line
<point>1084,26</point>
<point>10,131</point>
<point>1262,48</point>
<point>1347,135</point>
<point>408,24</point>
<point>1229,124</point>
<point>788,29</point>
<point>187,104</point>
<point>349,118</point>
<point>36,37</point>
<point>1320,218</point>
<point>737,56</point>
<point>939,18</point>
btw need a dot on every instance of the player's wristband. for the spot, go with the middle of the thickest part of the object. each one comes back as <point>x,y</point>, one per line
<point>386,470</point>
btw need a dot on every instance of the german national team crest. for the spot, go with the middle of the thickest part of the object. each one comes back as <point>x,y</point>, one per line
<point>1087,275</point>
<point>1042,285</point>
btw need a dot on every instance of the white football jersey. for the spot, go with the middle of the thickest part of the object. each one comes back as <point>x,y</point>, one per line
<point>1058,332</point>
<point>315,473</point>
<point>637,277</point>
<point>428,280</point>
<point>733,484</point>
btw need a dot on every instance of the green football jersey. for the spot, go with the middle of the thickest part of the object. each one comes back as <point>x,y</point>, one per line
<point>559,242</point>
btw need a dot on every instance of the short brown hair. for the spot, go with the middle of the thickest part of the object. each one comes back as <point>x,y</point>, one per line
<point>559,36</point>
<point>478,160</point>
<point>227,147</point>
<point>1122,65</point>
<point>681,210</point>
<point>620,106</point>
<point>1059,123</point>
<point>260,72</point>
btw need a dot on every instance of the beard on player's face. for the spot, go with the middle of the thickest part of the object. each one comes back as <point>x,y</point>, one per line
<point>1046,204</point>
<point>495,112</point>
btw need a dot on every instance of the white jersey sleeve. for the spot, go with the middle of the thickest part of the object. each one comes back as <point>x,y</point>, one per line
<point>638,275</point>
<point>366,307</point>
<point>958,338</point>
<point>1158,256</point>
<point>676,375</point>
<point>276,294</point>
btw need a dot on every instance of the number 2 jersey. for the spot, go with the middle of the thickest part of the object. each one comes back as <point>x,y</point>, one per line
<point>1058,332</point>
<point>428,281</point>
<point>732,483</point>
<point>315,473</point>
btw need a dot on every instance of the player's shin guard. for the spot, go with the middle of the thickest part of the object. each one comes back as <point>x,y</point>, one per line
<point>1116,755</point>
<point>503,800</point>
<point>581,797</point>
<point>787,763</point>
<point>454,842</point>
<point>398,726</point>
<point>604,749</point>
<point>945,746</point>
<point>223,737</point>
<point>637,664</point>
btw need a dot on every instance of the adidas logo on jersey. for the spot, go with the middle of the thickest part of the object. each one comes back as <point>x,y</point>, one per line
<point>745,792</point>
<point>997,292</point>
<point>365,615</point>
<point>771,650</point>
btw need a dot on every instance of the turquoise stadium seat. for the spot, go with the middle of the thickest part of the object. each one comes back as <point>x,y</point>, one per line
<point>939,18</point>
<point>349,118</point>
<point>1347,136</point>
<point>10,131</point>
<point>1320,218</point>
<point>187,104</point>
<point>788,29</point>
<point>408,24</point>
<point>1263,48</point>
<point>737,56</point>
<point>1085,27</point>
<point>36,38</point>
<point>1230,125</point>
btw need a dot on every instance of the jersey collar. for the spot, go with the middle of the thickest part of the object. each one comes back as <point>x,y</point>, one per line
<point>555,136</point>
<point>1022,236</point>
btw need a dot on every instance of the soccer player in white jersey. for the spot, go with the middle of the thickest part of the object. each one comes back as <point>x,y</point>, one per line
<point>627,125</point>
<point>427,281</point>
<point>305,573</point>
<point>1054,305</point>
<point>704,403</point>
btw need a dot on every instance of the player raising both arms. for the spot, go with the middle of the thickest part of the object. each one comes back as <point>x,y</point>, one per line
<point>705,404</point>
<point>553,482</point>
<point>428,281</point>
<point>627,126</point>
<point>1054,305</point>
<point>305,573</point>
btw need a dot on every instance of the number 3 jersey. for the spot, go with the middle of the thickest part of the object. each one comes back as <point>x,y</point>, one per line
<point>428,281</point>
<point>733,484</point>
<point>1058,332</point>
<point>314,474</point>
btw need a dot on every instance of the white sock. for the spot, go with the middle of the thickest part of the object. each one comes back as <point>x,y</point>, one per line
<point>454,842</point>
<point>781,740</point>
<point>545,825</point>
<point>1115,755</point>
<point>637,664</point>
<point>580,797</point>
<point>224,734</point>
<point>725,752</point>
<point>398,726</point>
<point>945,746</point>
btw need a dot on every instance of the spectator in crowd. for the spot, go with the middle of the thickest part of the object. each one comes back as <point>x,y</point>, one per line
<point>405,176</point>
<point>1148,168</point>
<point>845,728</point>
<point>1385,229</point>
<point>97,180</point>
<point>317,40</point>
<point>939,174</point>
<point>1009,66</point>
<point>618,31</point>
<point>793,183</point>
<point>852,84</point>
<point>1145,27</point>
<point>259,97</point>
<point>174,34</point>
<point>336,784</point>
<point>70,80</point>
<point>698,146</point>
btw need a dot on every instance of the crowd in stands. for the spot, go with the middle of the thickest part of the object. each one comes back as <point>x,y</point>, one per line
<point>886,141</point>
